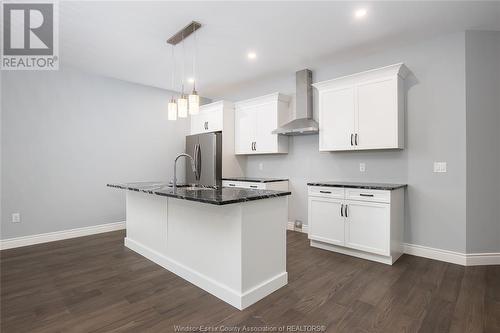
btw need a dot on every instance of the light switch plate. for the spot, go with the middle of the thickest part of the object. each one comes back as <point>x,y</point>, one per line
<point>362,167</point>
<point>261,166</point>
<point>439,167</point>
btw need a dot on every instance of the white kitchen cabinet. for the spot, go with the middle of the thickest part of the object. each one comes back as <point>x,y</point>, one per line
<point>245,128</point>
<point>255,119</point>
<point>365,223</point>
<point>335,128</point>
<point>329,225</point>
<point>210,118</point>
<point>220,116</point>
<point>257,185</point>
<point>367,226</point>
<point>363,111</point>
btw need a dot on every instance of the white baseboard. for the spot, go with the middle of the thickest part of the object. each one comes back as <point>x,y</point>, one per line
<point>464,259</point>
<point>291,226</point>
<point>228,295</point>
<point>478,259</point>
<point>436,254</point>
<point>11,243</point>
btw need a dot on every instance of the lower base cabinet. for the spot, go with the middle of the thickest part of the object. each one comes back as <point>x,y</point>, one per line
<point>364,223</point>
<point>274,186</point>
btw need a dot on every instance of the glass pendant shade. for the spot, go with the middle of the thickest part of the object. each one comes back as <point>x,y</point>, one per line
<point>172,110</point>
<point>182,106</point>
<point>194,103</point>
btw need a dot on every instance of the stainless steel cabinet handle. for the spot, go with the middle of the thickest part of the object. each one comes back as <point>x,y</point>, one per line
<point>232,185</point>
<point>255,145</point>
<point>325,192</point>
<point>351,139</point>
<point>366,195</point>
<point>346,215</point>
<point>356,139</point>
<point>253,186</point>
<point>341,210</point>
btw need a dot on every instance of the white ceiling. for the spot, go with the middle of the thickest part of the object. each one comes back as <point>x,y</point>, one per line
<point>126,39</point>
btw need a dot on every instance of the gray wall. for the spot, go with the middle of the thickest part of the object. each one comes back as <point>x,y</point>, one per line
<point>436,214</point>
<point>66,134</point>
<point>483,140</point>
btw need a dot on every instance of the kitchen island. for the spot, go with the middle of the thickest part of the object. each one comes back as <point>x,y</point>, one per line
<point>230,242</point>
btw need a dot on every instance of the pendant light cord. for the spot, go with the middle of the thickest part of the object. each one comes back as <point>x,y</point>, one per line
<point>194,58</point>
<point>173,71</point>
<point>183,62</point>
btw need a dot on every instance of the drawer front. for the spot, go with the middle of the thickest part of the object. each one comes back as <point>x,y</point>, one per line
<point>368,195</point>
<point>326,192</point>
<point>250,185</point>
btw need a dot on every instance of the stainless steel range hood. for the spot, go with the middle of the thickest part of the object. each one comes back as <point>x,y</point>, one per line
<point>303,122</point>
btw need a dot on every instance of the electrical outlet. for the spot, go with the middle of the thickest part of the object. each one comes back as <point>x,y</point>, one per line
<point>261,166</point>
<point>439,167</point>
<point>362,167</point>
<point>16,218</point>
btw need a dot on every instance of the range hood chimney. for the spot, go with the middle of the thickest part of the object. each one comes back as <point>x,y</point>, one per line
<point>303,122</point>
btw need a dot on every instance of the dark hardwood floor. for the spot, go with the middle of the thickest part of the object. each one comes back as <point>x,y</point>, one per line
<point>95,284</point>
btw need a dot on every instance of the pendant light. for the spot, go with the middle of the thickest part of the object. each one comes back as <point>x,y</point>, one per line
<point>182,101</point>
<point>172,105</point>
<point>184,104</point>
<point>194,98</point>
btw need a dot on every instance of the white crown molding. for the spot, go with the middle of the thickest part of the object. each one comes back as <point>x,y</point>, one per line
<point>216,105</point>
<point>392,70</point>
<point>274,97</point>
<point>11,243</point>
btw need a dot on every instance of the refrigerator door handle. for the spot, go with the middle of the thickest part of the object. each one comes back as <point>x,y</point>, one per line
<point>198,166</point>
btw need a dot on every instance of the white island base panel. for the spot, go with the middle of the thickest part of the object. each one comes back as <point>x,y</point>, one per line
<point>236,252</point>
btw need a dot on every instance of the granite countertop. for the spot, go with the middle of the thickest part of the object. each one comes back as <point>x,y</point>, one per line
<point>224,196</point>
<point>369,186</point>
<point>255,179</point>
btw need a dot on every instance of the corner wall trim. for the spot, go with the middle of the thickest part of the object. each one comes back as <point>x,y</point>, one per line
<point>291,226</point>
<point>11,243</point>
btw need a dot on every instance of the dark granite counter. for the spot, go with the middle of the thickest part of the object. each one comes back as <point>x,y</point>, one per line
<point>368,186</point>
<point>222,196</point>
<point>255,179</point>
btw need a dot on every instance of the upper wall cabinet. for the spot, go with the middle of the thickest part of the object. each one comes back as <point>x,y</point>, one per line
<point>219,116</point>
<point>363,111</point>
<point>255,119</point>
<point>210,118</point>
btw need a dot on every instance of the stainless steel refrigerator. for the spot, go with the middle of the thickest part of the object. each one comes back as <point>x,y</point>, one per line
<point>206,150</point>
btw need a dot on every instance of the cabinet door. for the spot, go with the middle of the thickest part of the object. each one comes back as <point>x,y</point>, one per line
<point>266,122</point>
<point>213,121</point>
<point>336,119</point>
<point>197,122</point>
<point>367,227</point>
<point>326,223</point>
<point>377,114</point>
<point>244,130</point>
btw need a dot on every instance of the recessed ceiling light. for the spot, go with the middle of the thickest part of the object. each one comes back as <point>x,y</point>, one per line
<point>191,80</point>
<point>360,13</point>
<point>252,55</point>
